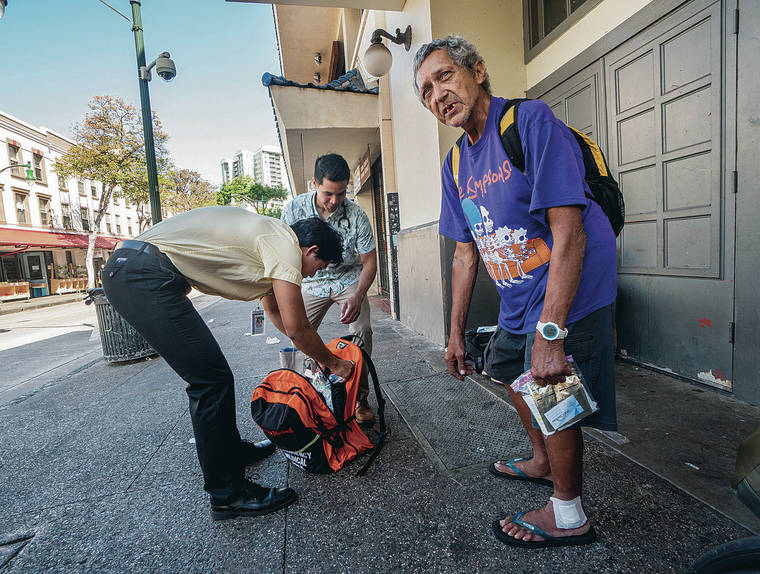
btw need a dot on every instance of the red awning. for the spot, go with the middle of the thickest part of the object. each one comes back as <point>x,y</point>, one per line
<point>29,238</point>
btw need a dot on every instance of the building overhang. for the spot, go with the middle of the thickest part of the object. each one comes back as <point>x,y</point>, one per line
<point>392,5</point>
<point>25,238</point>
<point>313,122</point>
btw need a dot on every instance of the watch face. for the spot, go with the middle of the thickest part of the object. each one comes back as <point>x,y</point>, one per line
<point>550,332</point>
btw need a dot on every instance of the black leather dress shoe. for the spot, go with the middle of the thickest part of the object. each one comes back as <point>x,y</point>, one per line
<point>253,452</point>
<point>255,500</point>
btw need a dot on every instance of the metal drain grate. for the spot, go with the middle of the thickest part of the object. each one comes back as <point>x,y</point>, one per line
<point>459,424</point>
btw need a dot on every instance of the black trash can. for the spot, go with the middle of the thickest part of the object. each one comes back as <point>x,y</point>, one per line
<point>118,338</point>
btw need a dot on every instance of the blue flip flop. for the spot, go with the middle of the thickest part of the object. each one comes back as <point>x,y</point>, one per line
<point>549,540</point>
<point>518,474</point>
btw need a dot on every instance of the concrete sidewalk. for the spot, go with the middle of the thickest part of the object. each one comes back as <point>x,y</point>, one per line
<point>99,474</point>
<point>7,307</point>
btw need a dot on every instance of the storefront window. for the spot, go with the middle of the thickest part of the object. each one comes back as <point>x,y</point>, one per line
<point>545,16</point>
<point>11,268</point>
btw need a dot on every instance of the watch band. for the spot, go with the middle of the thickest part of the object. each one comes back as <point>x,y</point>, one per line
<point>551,331</point>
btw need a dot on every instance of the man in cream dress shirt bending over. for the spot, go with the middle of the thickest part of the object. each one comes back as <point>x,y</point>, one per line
<point>235,254</point>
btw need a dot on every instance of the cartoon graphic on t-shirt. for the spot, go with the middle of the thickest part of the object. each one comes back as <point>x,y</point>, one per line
<point>507,253</point>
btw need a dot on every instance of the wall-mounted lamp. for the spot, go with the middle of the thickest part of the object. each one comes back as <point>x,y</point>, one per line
<point>317,58</point>
<point>378,58</point>
<point>3,4</point>
<point>317,77</point>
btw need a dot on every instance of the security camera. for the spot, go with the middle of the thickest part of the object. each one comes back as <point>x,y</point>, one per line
<point>165,67</point>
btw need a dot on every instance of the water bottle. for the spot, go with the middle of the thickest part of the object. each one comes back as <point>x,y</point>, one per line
<point>322,385</point>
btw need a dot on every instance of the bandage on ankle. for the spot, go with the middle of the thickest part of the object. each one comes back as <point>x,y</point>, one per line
<point>568,513</point>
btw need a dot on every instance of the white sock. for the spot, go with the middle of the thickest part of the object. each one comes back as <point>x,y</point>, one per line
<point>568,513</point>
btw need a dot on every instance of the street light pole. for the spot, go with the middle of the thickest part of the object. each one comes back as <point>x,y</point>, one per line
<point>150,150</point>
<point>29,172</point>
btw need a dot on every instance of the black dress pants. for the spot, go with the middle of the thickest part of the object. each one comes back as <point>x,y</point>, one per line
<point>151,294</point>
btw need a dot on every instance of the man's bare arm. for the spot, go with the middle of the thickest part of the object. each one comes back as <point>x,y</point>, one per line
<point>548,362</point>
<point>351,308</point>
<point>291,315</point>
<point>464,271</point>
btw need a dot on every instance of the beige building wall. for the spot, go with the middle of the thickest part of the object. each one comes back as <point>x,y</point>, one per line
<point>417,167</point>
<point>366,202</point>
<point>603,18</point>
<point>495,27</point>
<point>420,143</point>
<point>350,23</point>
<point>415,136</point>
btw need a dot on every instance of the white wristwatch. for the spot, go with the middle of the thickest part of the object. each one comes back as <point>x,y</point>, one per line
<point>551,331</point>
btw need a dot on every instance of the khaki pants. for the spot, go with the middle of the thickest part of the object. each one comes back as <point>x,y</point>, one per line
<point>317,307</point>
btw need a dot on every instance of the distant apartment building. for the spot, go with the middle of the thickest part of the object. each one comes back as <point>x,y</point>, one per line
<point>266,166</point>
<point>269,167</point>
<point>226,166</point>
<point>45,220</point>
<point>242,164</point>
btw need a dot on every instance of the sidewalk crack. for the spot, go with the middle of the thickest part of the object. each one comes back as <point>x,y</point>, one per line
<point>285,527</point>
<point>155,452</point>
<point>11,548</point>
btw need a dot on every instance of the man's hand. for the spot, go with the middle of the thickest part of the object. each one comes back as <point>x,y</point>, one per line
<point>342,368</point>
<point>351,309</point>
<point>454,358</point>
<point>548,363</point>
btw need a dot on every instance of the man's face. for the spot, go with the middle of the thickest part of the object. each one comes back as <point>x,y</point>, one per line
<point>449,91</point>
<point>330,194</point>
<point>310,263</point>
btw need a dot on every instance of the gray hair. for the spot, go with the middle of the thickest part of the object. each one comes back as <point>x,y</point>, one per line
<point>462,52</point>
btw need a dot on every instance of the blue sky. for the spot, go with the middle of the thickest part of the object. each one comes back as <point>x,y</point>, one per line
<point>57,54</point>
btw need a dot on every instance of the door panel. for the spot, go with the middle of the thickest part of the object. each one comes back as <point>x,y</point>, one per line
<point>577,102</point>
<point>665,101</point>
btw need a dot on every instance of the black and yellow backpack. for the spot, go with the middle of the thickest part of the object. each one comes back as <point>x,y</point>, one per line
<point>604,189</point>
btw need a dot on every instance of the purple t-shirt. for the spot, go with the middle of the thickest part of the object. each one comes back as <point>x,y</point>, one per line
<point>504,211</point>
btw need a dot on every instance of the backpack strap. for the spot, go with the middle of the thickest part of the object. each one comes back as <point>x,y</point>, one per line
<point>380,414</point>
<point>510,136</point>
<point>510,139</point>
<point>589,146</point>
<point>455,159</point>
<point>380,406</point>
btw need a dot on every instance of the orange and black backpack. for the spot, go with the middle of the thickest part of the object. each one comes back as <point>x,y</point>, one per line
<point>295,416</point>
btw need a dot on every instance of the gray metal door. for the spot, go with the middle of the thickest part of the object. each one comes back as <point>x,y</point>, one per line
<point>577,100</point>
<point>665,104</point>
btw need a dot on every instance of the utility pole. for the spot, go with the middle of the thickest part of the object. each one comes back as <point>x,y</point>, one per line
<point>147,117</point>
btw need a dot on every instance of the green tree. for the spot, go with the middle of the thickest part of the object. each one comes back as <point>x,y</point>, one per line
<point>243,189</point>
<point>185,190</point>
<point>110,148</point>
<point>233,190</point>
